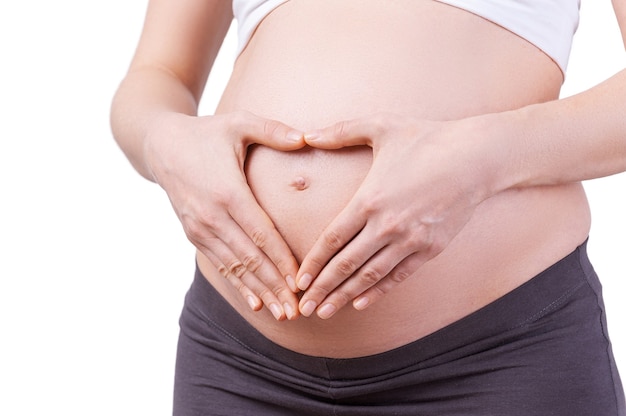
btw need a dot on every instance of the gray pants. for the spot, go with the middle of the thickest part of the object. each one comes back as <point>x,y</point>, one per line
<point>542,349</point>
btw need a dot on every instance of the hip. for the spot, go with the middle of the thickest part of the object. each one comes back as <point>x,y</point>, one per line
<point>542,348</point>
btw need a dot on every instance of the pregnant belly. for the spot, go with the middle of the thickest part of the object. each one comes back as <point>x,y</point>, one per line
<point>302,191</point>
<point>310,81</point>
<point>511,238</point>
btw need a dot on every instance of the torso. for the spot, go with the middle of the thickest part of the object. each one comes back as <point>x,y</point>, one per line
<point>421,58</point>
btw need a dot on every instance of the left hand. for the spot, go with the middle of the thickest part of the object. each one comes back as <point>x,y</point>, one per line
<point>424,185</point>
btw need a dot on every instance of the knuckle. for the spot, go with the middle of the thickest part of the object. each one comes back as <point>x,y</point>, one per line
<point>371,205</point>
<point>316,263</point>
<point>345,266</point>
<point>370,276</point>
<point>240,286</point>
<point>193,229</point>
<point>376,292</point>
<point>341,298</point>
<point>236,283</point>
<point>332,240</point>
<point>271,127</point>
<point>340,129</point>
<point>199,227</point>
<point>424,240</point>
<point>208,216</point>
<point>253,262</point>
<point>223,270</point>
<point>236,268</point>
<point>399,276</point>
<point>318,292</point>
<point>281,263</point>
<point>238,119</point>
<point>437,246</point>
<point>219,196</point>
<point>266,295</point>
<point>389,230</point>
<point>259,237</point>
<point>281,291</point>
<point>380,291</point>
<point>415,240</point>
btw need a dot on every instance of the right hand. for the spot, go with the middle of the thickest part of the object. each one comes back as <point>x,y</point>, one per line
<point>199,162</point>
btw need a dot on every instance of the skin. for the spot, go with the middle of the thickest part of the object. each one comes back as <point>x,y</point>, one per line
<point>545,153</point>
<point>156,104</point>
<point>380,236</point>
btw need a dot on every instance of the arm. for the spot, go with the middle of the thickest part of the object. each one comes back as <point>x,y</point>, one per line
<point>176,51</point>
<point>384,234</point>
<point>570,140</point>
<point>620,11</point>
<point>199,161</point>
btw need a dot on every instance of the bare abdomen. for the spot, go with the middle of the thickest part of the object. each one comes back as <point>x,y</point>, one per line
<point>422,59</point>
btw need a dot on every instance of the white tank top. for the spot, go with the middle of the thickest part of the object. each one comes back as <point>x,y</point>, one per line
<point>548,24</point>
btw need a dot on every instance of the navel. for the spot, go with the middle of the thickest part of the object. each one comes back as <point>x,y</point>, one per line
<point>299,183</point>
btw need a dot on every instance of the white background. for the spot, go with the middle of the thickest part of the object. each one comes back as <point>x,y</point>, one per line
<point>93,263</point>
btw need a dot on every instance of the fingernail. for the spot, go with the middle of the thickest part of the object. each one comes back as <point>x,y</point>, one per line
<point>308,308</point>
<point>276,310</point>
<point>294,136</point>
<point>361,303</point>
<point>254,305</point>
<point>326,311</point>
<point>292,284</point>
<point>289,311</point>
<point>314,135</point>
<point>305,281</point>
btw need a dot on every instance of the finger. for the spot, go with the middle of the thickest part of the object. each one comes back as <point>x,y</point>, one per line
<point>329,285</point>
<point>251,298</point>
<point>341,230</point>
<point>270,133</point>
<point>399,274</point>
<point>220,234</point>
<point>377,269</point>
<point>255,269</point>
<point>244,280</point>
<point>262,232</point>
<point>347,133</point>
<point>249,232</point>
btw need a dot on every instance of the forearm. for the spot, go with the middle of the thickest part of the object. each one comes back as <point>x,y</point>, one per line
<point>569,140</point>
<point>144,97</point>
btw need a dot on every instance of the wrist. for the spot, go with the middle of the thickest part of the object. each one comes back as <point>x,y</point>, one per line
<point>492,159</point>
<point>161,133</point>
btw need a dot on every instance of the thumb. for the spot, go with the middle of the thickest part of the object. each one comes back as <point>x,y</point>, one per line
<point>270,133</point>
<point>344,133</point>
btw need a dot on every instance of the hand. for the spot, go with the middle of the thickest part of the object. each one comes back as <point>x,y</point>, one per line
<point>199,162</point>
<point>421,190</point>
